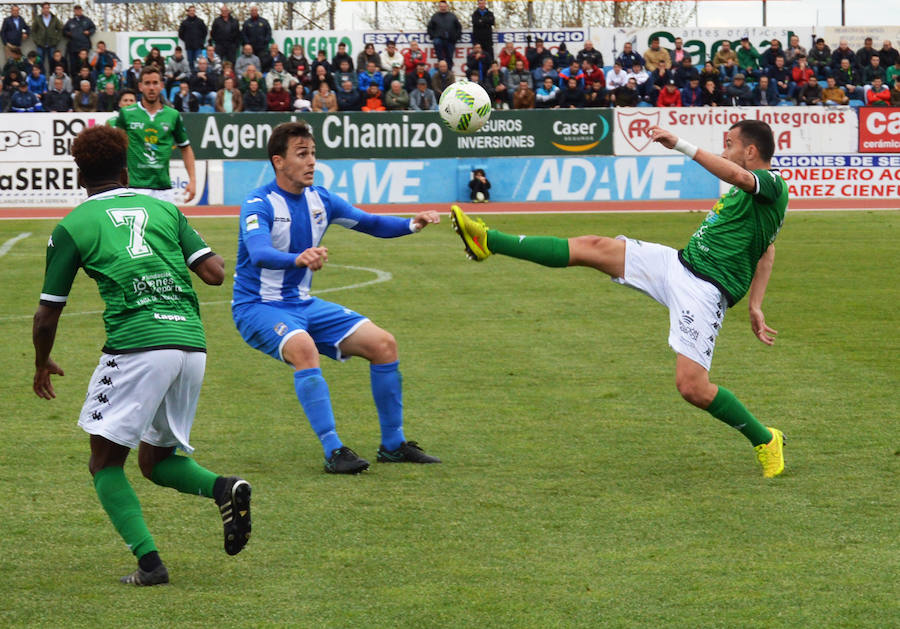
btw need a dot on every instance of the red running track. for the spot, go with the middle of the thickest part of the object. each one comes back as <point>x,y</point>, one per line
<point>701,205</point>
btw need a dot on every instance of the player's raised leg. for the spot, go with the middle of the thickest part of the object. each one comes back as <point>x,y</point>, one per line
<point>231,494</point>
<point>312,391</point>
<point>380,348</point>
<point>601,253</point>
<point>692,380</point>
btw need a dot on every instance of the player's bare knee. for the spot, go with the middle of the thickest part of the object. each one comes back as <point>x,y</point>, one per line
<point>301,352</point>
<point>385,348</point>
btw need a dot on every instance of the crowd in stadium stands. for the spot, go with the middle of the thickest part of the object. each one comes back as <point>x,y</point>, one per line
<point>233,67</point>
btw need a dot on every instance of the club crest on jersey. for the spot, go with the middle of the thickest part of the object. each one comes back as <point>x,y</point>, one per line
<point>252,222</point>
<point>318,216</point>
<point>281,329</point>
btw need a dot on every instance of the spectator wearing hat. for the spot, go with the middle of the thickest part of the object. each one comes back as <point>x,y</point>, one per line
<point>669,96</point>
<point>738,92</point>
<point>24,100</point>
<point>563,58</point>
<point>422,98</point>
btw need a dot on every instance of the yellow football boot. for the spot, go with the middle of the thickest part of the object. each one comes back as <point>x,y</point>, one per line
<point>771,455</point>
<point>472,232</point>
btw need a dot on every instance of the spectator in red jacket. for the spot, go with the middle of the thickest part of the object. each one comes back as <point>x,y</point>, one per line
<point>669,96</point>
<point>278,98</point>
<point>509,55</point>
<point>878,95</point>
<point>801,72</point>
<point>413,57</point>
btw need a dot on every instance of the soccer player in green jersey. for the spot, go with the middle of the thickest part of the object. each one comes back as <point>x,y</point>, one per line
<point>153,131</point>
<point>144,392</point>
<point>730,254</point>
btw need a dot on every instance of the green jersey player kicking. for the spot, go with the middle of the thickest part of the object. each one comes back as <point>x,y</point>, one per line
<point>153,131</point>
<point>730,254</point>
<point>144,392</point>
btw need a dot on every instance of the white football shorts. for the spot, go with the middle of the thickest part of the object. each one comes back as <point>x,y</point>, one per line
<point>146,396</point>
<point>696,307</point>
<point>163,195</point>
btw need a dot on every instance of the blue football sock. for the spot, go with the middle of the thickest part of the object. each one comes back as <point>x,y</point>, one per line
<point>312,391</point>
<point>388,393</point>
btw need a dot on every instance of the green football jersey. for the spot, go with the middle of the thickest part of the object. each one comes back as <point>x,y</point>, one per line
<point>150,143</point>
<point>727,246</point>
<point>138,249</point>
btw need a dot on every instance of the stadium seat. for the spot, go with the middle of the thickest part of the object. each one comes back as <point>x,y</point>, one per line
<point>206,109</point>
<point>172,93</point>
<point>856,103</point>
<point>644,103</point>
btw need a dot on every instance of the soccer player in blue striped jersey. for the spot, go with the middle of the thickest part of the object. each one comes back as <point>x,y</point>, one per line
<point>279,249</point>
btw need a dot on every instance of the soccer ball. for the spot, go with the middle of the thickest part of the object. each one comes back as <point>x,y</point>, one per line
<point>464,106</point>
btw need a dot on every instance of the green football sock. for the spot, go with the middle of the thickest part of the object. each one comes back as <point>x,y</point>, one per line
<point>727,408</point>
<point>123,508</point>
<point>546,250</point>
<point>185,475</point>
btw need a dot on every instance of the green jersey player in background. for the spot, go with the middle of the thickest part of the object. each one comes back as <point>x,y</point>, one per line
<point>153,131</point>
<point>144,392</point>
<point>730,254</point>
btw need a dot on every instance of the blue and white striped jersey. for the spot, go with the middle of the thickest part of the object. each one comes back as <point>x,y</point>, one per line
<point>276,226</point>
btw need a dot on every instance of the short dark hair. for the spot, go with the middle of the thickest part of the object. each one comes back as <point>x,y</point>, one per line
<point>150,69</point>
<point>759,134</point>
<point>283,133</point>
<point>100,152</point>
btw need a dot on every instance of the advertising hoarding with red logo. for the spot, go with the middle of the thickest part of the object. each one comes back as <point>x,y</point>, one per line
<point>798,130</point>
<point>879,130</point>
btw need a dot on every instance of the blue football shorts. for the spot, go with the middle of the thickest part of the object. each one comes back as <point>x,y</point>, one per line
<point>268,326</point>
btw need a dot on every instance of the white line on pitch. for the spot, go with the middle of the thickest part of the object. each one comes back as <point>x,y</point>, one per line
<point>6,246</point>
<point>380,276</point>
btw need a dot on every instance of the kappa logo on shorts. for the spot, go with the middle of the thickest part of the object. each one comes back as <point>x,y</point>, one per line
<point>106,380</point>
<point>112,363</point>
<point>281,329</point>
<point>103,399</point>
<point>96,416</point>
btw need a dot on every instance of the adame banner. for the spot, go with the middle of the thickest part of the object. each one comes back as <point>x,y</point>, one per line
<point>585,178</point>
<point>798,130</point>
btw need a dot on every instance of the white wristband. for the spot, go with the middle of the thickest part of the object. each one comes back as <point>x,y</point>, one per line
<point>683,146</point>
<point>413,227</point>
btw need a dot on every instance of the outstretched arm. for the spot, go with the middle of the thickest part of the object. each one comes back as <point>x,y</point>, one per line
<point>724,169</point>
<point>757,291</point>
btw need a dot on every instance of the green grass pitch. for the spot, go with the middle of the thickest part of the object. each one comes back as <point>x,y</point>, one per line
<point>577,490</point>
